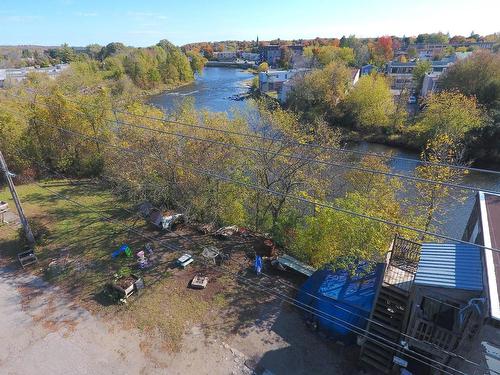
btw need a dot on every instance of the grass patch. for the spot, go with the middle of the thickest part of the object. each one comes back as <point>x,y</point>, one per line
<point>167,309</point>
<point>77,256</point>
<point>79,237</point>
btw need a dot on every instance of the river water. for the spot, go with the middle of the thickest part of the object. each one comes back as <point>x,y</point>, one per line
<point>215,88</point>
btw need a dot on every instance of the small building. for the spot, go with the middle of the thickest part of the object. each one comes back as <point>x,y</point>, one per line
<point>441,300</point>
<point>483,228</point>
<point>281,81</point>
<point>340,294</point>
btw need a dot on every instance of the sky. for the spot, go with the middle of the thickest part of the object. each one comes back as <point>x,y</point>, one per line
<point>145,22</point>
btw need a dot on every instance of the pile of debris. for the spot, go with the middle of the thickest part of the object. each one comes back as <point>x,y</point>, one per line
<point>160,219</point>
<point>263,244</point>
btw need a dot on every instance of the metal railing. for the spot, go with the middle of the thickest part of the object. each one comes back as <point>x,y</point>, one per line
<point>402,263</point>
<point>405,254</point>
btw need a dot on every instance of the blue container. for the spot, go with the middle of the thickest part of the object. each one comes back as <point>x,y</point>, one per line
<point>340,302</point>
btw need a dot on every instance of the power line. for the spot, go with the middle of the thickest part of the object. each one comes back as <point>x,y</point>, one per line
<point>291,301</point>
<point>274,192</point>
<point>309,145</point>
<point>312,160</point>
<point>274,139</point>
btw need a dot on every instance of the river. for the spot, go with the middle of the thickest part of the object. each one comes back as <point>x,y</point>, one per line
<point>214,89</point>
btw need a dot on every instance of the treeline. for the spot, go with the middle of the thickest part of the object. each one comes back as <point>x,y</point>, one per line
<point>377,50</point>
<point>149,68</point>
<point>67,125</point>
<point>466,108</point>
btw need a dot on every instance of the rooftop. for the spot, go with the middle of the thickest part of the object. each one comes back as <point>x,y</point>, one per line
<point>456,266</point>
<point>490,221</point>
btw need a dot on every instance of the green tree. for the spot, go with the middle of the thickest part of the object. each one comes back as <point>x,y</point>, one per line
<point>477,75</point>
<point>432,200</point>
<point>263,67</point>
<point>339,240</point>
<point>421,69</point>
<point>197,61</point>
<point>450,113</point>
<point>371,101</point>
<point>318,94</point>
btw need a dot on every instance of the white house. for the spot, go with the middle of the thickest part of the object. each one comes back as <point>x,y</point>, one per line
<point>430,83</point>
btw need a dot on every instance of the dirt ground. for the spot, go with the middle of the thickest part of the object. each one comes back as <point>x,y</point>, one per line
<point>45,333</point>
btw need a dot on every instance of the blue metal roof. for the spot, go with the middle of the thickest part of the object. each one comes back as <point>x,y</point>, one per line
<point>456,266</point>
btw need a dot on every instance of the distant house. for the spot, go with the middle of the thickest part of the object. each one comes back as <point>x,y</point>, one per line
<point>430,83</point>
<point>18,75</point>
<point>402,72</point>
<point>297,53</point>
<point>249,56</point>
<point>280,81</point>
<point>271,54</point>
<point>367,69</point>
<point>225,56</point>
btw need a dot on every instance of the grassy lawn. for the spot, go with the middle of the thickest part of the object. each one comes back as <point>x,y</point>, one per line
<point>83,243</point>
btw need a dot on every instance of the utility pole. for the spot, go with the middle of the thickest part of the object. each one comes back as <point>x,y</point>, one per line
<point>13,192</point>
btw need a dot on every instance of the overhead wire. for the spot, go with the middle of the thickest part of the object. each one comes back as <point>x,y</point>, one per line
<point>310,160</point>
<point>274,139</point>
<point>274,192</point>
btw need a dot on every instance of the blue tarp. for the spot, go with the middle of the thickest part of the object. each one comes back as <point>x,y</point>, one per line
<point>338,294</point>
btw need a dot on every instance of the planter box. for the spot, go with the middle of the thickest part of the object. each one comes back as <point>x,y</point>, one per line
<point>126,286</point>
<point>199,282</point>
<point>27,257</point>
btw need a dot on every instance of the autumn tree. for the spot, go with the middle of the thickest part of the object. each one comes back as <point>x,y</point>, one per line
<point>477,75</point>
<point>382,50</point>
<point>338,239</point>
<point>317,94</point>
<point>433,199</point>
<point>450,113</point>
<point>197,61</point>
<point>371,101</point>
<point>263,67</point>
